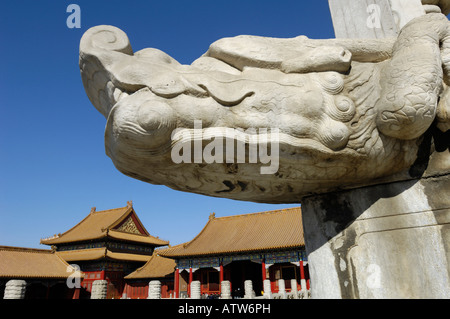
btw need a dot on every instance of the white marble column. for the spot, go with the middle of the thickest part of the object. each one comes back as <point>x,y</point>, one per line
<point>195,290</point>
<point>154,289</point>
<point>225,288</point>
<point>99,289</point>
<point>15,289</point>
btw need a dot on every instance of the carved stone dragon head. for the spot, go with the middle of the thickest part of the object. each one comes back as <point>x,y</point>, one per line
<point>270,120</point>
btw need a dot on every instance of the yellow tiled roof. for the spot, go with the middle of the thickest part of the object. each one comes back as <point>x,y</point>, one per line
<point>278,229</point>
<point>99,253</point>
<point>18,262</point>
<point>156,267</point>
<point>101,224</point>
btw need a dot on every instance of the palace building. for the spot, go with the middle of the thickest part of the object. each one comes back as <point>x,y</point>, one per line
<point>35,274</point>
<point>113,246</point>
<point>107,245</point>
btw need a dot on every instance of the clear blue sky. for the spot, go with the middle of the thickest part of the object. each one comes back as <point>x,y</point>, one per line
<point>53,166</point>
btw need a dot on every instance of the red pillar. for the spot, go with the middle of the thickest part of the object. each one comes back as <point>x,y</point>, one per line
<point>126,290</point>
<point>302,273</point>
<point>307,275</point>
<point>190,281</point>
<point>220,278</point>
<point>263,268</point>
<point>76,293</point>
<point>177,283</point>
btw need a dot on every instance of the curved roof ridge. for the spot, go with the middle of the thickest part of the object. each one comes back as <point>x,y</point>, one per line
<point>26,249</point>
<point>156,267</point>
<point>92,212</point>
<point>152,257</point>
<point>67,231</point>
<point>274,211</point>
<point>168,249</point>
<point>129,210</point>
<point>106,210</point>
<point>142,225</point>
<point>96,225</point>
<point>185,245</point>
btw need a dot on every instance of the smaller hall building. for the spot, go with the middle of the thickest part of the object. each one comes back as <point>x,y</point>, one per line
<point>157,268</point>
<point>258,246</point>
<point>31,273</point>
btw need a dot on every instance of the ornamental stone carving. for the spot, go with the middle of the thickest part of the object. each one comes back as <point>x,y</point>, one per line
<point>329,114</point>
<point>15,289</point>
<point>129,226</point>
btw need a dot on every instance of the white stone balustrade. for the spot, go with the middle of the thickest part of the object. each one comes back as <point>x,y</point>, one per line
<point>15,289</point>
<point>99,289</point>
<point>195,290</point>
<point>154,289</point>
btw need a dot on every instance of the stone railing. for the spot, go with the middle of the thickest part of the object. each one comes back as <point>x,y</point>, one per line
<point>15,289</point>
<point>154,290</point>
<point>282,293</point>
<point>99,289</point>
<point>249,293</point>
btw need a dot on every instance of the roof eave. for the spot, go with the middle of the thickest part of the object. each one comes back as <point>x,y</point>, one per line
<point>55,241</point>
<point>230,252</point>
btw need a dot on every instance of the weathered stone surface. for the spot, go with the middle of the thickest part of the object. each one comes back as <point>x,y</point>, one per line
<point>338,113</point>
<point>15,289</point>
<point>384,241</point>
<point>154,289</point>
<point>360,19</point>
<point>406,10</point>
<point>379,18</point>
<point>225,289</point>
<point>99,289</point>
<point>195,290</point>
<point>267,289</point>
<point>249,293</point>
